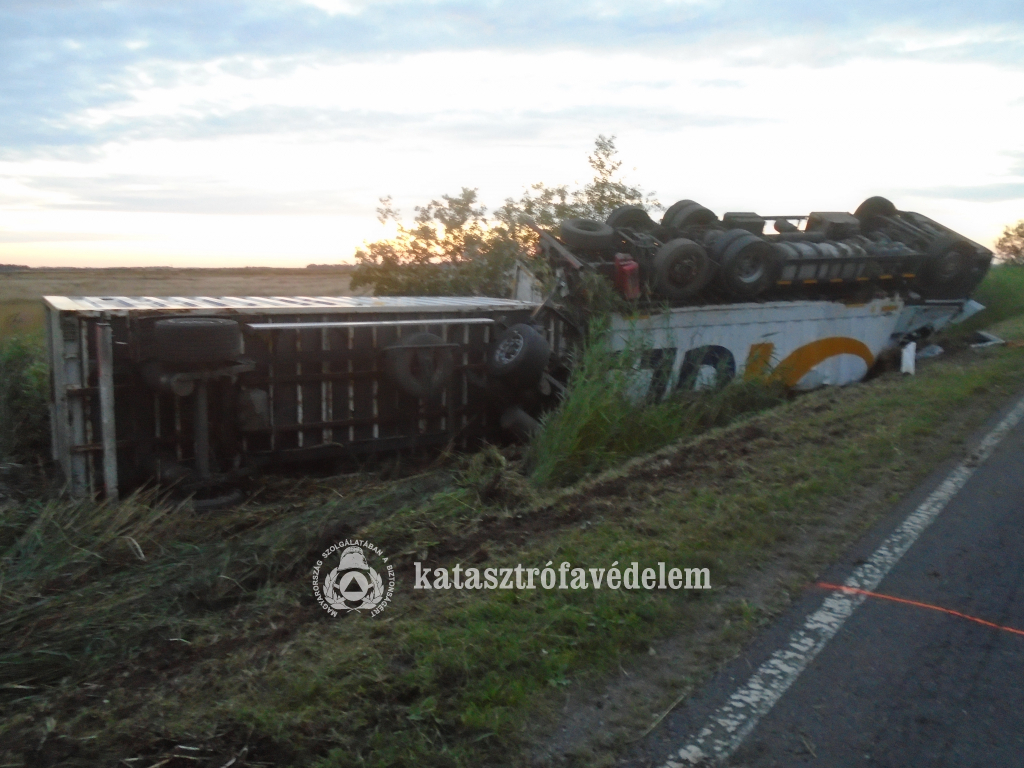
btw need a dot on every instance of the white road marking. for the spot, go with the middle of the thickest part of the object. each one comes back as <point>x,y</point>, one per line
<point>726,729</point>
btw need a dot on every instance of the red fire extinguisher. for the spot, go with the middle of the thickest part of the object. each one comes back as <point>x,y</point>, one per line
<point>627,276</point>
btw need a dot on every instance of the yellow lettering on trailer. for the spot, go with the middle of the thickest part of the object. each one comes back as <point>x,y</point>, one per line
<point>801,360</point>
<point>759,360</point>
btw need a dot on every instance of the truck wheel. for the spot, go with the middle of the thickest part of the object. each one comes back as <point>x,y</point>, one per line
<point>748,266</point>
<point>671,210</point>
<point>196,340</point>
<point>520,354</point>
<point>632,216</point>
<point>418,369</point>
<point>716,241</point>
<point>681,269</point>
<point>587,234</point>
<point>948,269</point>
<point>687,213</point>
<point>871,209</point>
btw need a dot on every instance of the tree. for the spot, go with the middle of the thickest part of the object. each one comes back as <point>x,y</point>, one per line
<point>454,248</point>
<point>1010,244</point>
<point>451,249</point>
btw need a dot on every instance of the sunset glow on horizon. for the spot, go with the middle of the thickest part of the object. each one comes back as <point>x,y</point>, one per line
<point>263,134</point>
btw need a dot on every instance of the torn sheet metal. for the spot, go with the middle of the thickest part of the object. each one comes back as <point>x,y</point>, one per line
<point>984,339</point>
<point>918,321</point>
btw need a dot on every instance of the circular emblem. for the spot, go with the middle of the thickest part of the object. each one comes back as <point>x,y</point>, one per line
<point>353,584</point>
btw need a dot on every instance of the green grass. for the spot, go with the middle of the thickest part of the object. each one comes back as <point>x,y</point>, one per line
<point>24,420</point>
<point>599,423</point>
<point>1002,293</point>
<point>214,639</point>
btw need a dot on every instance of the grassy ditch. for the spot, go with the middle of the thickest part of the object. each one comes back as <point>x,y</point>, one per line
<point>24,423</point>
<point>138,630</point>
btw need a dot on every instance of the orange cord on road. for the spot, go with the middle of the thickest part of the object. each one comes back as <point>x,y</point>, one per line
<point>823,585</point>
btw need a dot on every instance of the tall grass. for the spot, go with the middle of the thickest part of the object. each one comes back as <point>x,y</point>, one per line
<point>84,583</point>
<point>1002,293</point>
<point>68,559</point>
<point>24,419</point>
<point>602,421</point>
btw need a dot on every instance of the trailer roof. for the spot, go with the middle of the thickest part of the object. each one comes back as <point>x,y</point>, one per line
<point>277,304</point>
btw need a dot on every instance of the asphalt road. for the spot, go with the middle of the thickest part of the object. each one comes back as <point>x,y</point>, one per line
<point>901,685</point>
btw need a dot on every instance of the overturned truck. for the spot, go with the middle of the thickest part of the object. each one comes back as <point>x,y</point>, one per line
<point>693,256</point>
<point>201,392</point>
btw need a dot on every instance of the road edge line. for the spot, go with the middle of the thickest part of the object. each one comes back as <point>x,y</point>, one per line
<point>731,723</point>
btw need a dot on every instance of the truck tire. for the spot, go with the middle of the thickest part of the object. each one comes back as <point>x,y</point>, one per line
<point>666,217</point>
<point>748,266</point>
<point>871,209</point>
<point>587,234</point>
<point>419,370</point>
<point>632,216</point>
<point>716,241</point>
<point>519,355</point>
<point>681,269</point>
<point>948,271</point>
<point>687,213</point>
<point>196,340</point>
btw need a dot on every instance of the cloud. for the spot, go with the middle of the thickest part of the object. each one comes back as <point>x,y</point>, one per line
<point>291,110</point>
<point>184,196</point>
<point>60,60</point>
<point>78,140</point>
<point>721,83</point>
<point>258,120</point>
<point>985,193</point>
<point>56,237</point>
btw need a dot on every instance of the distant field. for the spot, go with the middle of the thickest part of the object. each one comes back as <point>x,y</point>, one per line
<point>21,308</point>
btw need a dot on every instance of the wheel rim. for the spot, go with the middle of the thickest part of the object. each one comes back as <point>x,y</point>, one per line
<point>509,348</point>
<point>749,268</point>
<point>683,271</point>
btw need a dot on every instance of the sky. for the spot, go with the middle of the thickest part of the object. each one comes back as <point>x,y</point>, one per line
<point>232,133</point>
